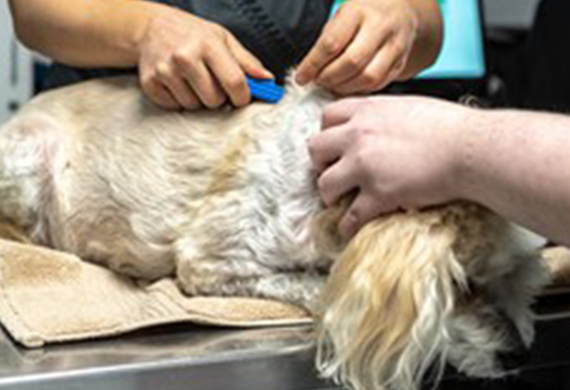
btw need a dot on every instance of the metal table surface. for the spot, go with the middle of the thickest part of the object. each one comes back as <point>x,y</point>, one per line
<point>194,358</point>
<point>168,358</point>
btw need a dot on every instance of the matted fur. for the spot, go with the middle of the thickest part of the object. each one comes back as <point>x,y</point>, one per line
<point>226,202</point>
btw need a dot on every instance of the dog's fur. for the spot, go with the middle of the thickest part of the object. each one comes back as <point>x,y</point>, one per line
<point>226,202</point>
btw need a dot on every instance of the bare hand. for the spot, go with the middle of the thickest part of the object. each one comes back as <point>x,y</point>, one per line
<point>395,152</point>
<point>186,62</point>
<point>363,48</point>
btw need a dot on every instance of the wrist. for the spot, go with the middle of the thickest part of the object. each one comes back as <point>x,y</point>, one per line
<point>428,37</point>
<point>149,15</point>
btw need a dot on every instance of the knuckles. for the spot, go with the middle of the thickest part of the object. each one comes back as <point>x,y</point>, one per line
<point>164,71</point>
<point>370,79</point>
<point>183,57</point>
<point>355,63</point>
<point>330,46</point>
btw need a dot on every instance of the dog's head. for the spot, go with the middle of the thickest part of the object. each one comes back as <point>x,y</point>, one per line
<point>414,291</point>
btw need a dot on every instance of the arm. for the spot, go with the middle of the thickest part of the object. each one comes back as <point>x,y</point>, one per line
<point>84,33</point>
<point>183,61</point>
<point>409,153</point>
<point>518,164</point>
<point>370,43</point>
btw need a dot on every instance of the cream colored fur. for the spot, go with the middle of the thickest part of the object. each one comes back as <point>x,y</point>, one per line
<point>225,201</point>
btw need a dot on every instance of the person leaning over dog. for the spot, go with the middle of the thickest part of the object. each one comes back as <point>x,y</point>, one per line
<point>415,152</point>
<point>194,53</point>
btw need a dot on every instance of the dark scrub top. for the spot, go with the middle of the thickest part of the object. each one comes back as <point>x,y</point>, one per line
<point>277,32</point>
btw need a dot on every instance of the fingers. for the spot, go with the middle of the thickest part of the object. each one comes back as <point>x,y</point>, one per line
<point>336,181</point>
<point>357,56</point>
<point>205,86</point>
<point>379,72</point>
<point>327,147</point>
<point>220,73</point>
<point>364,209</point>
<point>364,48</point>
<point>247,61</point>
<point>207,69</point>
<point>229,64</point>
<point>336,36</point>
<point>186,62</point>
<point>177,87</point>
<point>340,112</point>
<point>230,76</point>
<point>159,94</point>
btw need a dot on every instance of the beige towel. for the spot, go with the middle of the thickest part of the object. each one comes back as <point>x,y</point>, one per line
<point>48,296</point>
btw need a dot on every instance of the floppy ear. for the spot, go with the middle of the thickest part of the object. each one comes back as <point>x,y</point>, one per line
<point>388,301</point>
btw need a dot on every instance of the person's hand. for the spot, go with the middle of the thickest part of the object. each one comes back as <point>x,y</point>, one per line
<point>363,48</point>
<point>392,152</point>
<point>187,62</point>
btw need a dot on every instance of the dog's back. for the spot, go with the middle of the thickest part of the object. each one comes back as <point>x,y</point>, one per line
<point>130,186</point>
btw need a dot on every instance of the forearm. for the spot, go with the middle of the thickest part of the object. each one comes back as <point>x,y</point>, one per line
<point>428,40</point>
<point>85,33</point>
<point>518,164</point>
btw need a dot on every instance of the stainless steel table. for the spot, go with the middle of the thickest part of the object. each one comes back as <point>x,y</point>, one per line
<point>169,358</point>
<point>193,358</point>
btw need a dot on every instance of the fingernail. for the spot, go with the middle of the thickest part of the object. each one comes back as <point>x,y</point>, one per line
<point>268,74</point>
<point>260,73</point>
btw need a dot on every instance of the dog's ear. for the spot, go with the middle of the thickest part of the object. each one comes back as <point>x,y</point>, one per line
<point>388,301</point>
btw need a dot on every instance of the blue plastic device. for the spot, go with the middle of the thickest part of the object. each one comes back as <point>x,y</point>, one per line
<point>265,90</point>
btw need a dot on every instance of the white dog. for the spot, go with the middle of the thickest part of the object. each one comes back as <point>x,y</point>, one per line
<point>226,202</point>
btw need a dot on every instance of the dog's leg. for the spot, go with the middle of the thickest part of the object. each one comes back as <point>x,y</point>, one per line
<point>299,289</point>
<point>203,272</point>
<point>30,151</point>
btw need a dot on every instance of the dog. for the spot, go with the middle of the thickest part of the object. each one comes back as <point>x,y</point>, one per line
<point>226,202</point>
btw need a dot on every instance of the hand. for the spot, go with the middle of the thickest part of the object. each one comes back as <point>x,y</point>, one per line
<point>393,152</point>
<point>363,48</point>
<point>186,62</point>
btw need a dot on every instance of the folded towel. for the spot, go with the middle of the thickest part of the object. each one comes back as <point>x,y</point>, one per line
<point>48,296</point>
